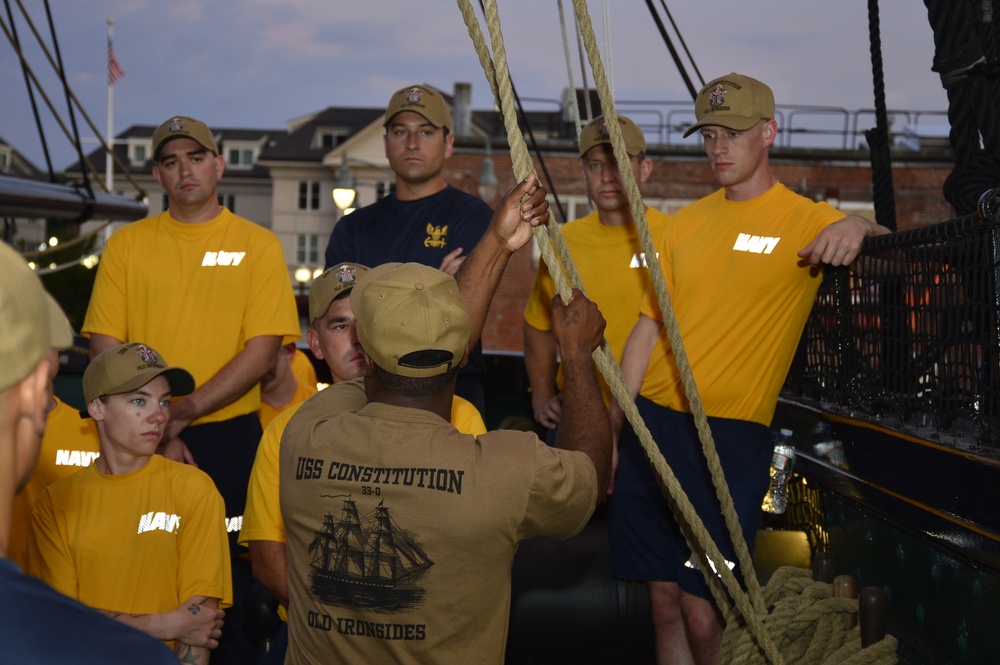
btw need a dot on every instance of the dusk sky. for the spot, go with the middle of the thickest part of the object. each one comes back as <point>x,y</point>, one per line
<point>260,63</point>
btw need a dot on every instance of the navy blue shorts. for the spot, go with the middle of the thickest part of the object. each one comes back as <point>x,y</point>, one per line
<point>646,541</point>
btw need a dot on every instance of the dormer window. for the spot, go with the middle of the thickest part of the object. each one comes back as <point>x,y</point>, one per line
<point>328,138</point>
<point>240,157</point>
<point>138,151</point>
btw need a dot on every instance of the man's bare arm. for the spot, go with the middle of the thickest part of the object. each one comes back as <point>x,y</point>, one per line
<point>840,243</point>
<point>197,622</point>
<point>578,327</point>
<point>269,562</point>
<point>230,383</point>
<point>540,363</point>
<point>635,361</point>
<point>190,653</point>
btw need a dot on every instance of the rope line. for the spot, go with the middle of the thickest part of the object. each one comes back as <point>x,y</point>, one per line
<point>583,73</point>
<point>878,138</point>
<point>606,25</point>
<point>85,163</point>
<point>574,105</point>
<point>759,642</point>
<point>603,358</point>
<point>673,331</point>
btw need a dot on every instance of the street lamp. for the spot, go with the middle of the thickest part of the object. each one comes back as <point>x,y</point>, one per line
<point>302,277</point>
<point>487,185</point>
<point>344,192</point>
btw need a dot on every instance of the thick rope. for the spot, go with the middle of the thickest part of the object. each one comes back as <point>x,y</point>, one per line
<point>760,640</point>
<point>807,623</point>
<point>606,21</point>
<point>603,358</point>
<point>878,138</point>
<point>673,332</point>
<point>499,78</point>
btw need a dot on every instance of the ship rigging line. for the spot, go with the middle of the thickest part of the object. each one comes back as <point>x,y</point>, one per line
<point>750,602</point>
<point>534,143</point>
<point>25,70</point>
<point>88,210</point>
<point>673,51</point>
<point>30,77</point>
<point>878,137</point>
<point>574,104</point>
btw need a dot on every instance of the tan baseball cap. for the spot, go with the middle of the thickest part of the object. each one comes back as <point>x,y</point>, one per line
<point>735,102</point>
<point>333,283</point>
<point>596,132</point>
<point>60,332</point>
<point>128,367</point>
<point>406,308</point>
<point>183,127</point>
<point>24,318</point>
<point>420,99</point>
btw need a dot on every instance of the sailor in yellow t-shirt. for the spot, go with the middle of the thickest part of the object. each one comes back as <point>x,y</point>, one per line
<point>742,269</point>
<point>136,536</point>
<point>333,338</point>
<point>211,290</point>
<point>606,250</point>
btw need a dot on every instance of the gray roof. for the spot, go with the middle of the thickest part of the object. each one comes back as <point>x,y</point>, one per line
<point>20,166</point>
<point>299,143</point>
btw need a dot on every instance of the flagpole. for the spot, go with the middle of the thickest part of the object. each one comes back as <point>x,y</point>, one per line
<point>109,171</point>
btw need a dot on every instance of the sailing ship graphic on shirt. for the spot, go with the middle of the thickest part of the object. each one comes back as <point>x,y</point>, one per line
<point>366,561</point>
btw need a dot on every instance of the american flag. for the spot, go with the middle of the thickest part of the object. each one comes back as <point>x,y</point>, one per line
<point>115,71</point>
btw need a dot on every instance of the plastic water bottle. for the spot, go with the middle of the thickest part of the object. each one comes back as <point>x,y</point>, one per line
<point>782,462</point>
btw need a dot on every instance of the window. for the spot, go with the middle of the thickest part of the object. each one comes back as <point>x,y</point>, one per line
<point>308,195</point>
<point>326,138</point>
<point>4,161</point>
<point>307,249</point>
<point>138,155</point>
<point>228,201</point>
<point>240,157</point>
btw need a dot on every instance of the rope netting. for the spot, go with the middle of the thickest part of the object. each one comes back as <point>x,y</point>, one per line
<point>755,628</point>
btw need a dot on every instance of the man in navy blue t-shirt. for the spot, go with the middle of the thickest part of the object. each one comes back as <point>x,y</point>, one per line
<point>425,220</point>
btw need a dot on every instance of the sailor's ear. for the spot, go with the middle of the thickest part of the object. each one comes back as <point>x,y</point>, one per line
<point>770,132</point>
